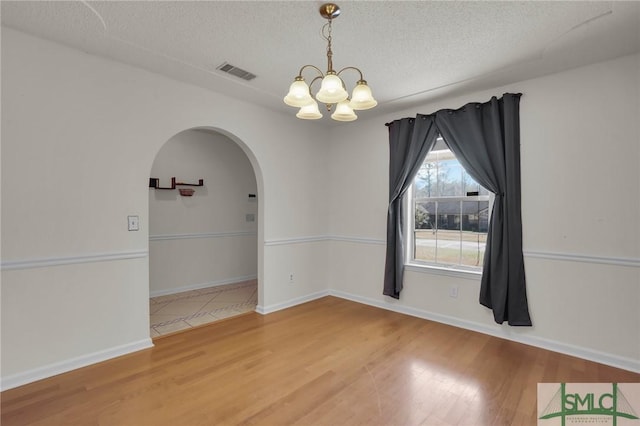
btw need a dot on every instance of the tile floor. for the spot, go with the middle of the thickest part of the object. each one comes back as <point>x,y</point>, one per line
<point>180,311</point>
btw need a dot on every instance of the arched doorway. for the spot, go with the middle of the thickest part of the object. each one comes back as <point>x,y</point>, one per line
<point>204,228</point>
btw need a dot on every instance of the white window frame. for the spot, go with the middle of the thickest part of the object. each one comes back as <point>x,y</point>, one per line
<point>463,271</point>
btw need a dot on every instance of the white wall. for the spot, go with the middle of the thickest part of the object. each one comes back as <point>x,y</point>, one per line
<point>79,137</point>
<point>580,207</point>
<point>205,239</point>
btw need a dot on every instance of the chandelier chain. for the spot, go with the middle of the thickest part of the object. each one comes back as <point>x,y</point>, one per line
<point>328,37</point>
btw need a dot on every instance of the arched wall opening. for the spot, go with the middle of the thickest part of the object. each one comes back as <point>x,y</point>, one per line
<point>210,240</point>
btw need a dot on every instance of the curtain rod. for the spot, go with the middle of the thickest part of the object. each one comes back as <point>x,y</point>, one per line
<point>519,94</point>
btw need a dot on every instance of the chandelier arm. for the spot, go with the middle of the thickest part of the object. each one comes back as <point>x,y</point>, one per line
<point>352,68</point>
<point>310,66</point>
<point>313,81</point>
<point>320,77</point>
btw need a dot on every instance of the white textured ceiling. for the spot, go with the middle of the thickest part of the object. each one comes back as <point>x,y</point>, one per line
<point>409,51</point>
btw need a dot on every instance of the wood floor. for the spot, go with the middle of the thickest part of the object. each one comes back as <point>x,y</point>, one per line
<point>327,362</point>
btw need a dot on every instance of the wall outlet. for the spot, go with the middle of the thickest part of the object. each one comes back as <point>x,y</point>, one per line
<point>134,223</point>
<point>453,291</point>
<point>291,278</point>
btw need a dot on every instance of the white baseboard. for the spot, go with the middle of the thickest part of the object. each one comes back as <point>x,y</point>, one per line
<point>292,302</point>
<point>552,345</point>
<point>50,370</point>
<point>156,293</point>
<point>44,372</point>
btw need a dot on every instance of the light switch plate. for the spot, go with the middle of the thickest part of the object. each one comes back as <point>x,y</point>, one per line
<point>134,223</point>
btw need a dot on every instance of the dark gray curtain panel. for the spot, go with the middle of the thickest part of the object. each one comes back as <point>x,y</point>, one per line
<point>485,137</point>
<point>410,140</point>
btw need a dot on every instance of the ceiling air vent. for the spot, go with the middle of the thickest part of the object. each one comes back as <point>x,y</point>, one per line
<point>238,72</point>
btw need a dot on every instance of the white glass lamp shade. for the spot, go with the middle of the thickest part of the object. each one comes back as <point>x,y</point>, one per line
<point>344,112</point>
<point>361,98</point>
<point>309,112</point>
<point>331,90</point>
<point>298,95</point>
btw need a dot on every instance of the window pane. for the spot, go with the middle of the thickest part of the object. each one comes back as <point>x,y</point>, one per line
<point>450,178</point>
<point>424,185</point>
<point>474,237</point>
<point>483,225</point>
<point>449,215</point>
<point>425,233</point>
<point>425,215</point>
<point>450,223</point>
<point>470,185</point>
<point>448,235</point>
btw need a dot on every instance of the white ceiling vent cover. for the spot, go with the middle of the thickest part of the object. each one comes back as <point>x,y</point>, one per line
<point>238,72</point>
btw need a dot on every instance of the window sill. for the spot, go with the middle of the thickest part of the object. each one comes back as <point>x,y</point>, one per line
<point>448,272</point>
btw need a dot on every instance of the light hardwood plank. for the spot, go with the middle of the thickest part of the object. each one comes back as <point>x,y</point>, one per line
<point>327,362</point>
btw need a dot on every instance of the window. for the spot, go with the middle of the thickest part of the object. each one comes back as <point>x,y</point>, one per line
<point>450,219</point>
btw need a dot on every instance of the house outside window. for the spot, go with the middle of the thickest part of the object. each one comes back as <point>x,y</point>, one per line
<point>449,215</point>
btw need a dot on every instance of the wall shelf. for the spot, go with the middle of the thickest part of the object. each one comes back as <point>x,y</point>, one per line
<point>155,184</point>
<point>200,183</point>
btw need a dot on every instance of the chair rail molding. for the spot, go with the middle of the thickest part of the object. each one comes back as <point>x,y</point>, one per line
<point>9,265</point>
<point>222,234</point>
<point>585,258</point>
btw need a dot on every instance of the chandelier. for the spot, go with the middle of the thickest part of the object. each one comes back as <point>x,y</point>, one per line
<point>332,88</point>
